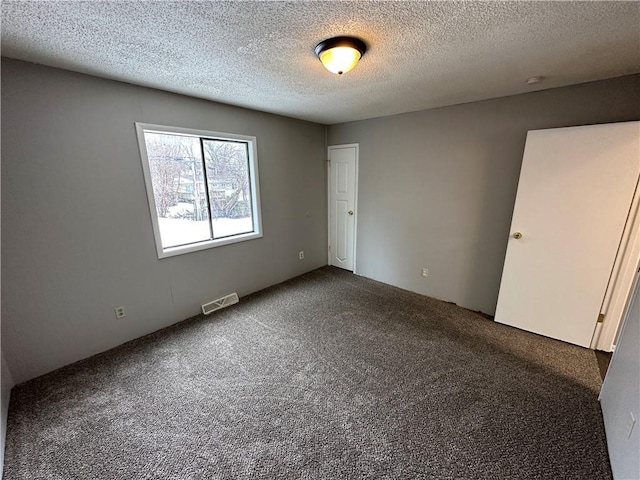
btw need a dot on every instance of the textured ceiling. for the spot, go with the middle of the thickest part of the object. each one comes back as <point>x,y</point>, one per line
<point>260,54</point>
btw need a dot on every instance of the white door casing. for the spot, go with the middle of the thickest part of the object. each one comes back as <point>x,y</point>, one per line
<point>575,190</point>
<point>620,286</point>
<point>343,171</point>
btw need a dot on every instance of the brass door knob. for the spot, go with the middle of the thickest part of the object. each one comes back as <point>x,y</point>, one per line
<point>517,235</point>
<point>350,212</point>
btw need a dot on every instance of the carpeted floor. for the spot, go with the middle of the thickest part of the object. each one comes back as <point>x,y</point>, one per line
<point>328,375</point>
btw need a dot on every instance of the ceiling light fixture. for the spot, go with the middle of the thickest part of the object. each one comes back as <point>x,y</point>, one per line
<point>340,54</point>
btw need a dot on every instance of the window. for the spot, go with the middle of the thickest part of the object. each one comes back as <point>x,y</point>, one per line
<point>202,187</point>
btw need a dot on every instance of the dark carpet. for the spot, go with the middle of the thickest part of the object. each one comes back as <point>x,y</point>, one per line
<point>603,359</point>
<point>328,375</point>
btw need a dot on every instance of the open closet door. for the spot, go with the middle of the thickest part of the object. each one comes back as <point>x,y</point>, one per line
<point>575,191</point>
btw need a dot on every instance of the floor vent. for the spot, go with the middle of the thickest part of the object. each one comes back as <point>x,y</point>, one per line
<point>231,299</point>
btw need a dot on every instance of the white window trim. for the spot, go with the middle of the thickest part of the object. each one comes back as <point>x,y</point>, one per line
<point>141,128</point>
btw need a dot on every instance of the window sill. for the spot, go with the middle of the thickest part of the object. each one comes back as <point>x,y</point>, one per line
<point>173,251</point>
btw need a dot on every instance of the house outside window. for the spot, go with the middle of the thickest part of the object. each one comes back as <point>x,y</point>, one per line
<point>202,187</point>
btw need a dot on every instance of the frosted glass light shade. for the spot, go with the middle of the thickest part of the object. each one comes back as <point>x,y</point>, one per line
<point>340,59</point>
<point>340,54</point>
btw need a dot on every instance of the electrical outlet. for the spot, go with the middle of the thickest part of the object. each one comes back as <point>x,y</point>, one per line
<point>630,424</point>
<point>425,272</point>
<point>301,255</point>
<point>120,312</point>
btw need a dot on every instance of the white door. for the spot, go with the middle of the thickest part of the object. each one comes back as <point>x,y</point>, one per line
<point>574,194</point>
<point>343,163</point>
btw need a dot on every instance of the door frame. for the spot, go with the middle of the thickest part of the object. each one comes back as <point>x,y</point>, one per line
<point>620,287</point>
<point>355,202</point>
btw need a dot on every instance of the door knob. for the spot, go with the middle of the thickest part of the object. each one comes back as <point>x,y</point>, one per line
<point>350,212</point>
<point>517,235</point>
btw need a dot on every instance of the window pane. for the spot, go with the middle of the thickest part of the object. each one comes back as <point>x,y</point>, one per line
<point>227,164</point>
<point>175,162</point>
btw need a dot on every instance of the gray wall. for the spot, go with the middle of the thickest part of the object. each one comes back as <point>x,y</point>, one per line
<point>437,187</point>
<point>77,238</point>
<point>621,395</point>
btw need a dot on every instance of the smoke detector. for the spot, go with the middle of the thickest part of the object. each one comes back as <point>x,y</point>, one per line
<point>534,80</point>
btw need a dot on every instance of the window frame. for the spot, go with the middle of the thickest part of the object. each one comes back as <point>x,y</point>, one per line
<point>252,151</point>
